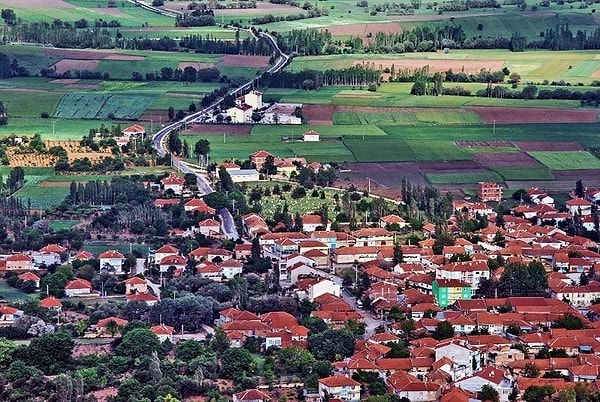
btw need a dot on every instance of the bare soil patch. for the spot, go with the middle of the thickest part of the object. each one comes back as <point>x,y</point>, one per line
<point>261,9</point>
<point>156,116</point>
<point>69,64</point>
<point>65,81</point>
<point>506,160</point>
<point>37,3</point>
<point>83,86</point>
<point>54,183</point>
<point>16,157</point>
<point>183,64</point>
<point>245,61</point>
<point>437,65</point>
<point>510,115</point>
<point>123,57</point>
<point>240,130</point>
<point>363,30</point>
<point>109,11</point>
<point>484,144</point>
<point>596,74</point>
<point>319,114</point>
<point>532,146</point>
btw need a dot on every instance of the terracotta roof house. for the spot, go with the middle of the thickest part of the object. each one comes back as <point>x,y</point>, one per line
<point>339,386</point>
<point>112,260</point>
<point>135,284</point>
<point>251,395</point>
<point>174,183</point>
<point>83,255</point>
<point>147,298</point>
<point>163,332</point>
<point>30,276</point>
<point>19,262</point>
<point>51,303</point>
<point>78,287</point>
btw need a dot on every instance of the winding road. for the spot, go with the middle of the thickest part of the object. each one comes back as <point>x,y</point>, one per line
<point>227,222</point>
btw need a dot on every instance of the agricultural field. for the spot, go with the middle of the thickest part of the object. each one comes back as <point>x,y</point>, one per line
<point>127,13</point>
<point>534,66</point>
<point>96,106</point>
<point>462,178</point>
<point>567,160</point>
<point>57,225</point>
<point>97,248</point>
<point>42,197</point>
<point>12,294</point>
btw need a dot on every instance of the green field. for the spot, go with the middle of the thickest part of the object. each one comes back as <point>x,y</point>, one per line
<point>406,118</point>
<point>12,294</point>
<point>567,160</point>
<point>522,173</point>
<point>58,225</point>
<point>462,178</point>
<point>127,13</point>
<point>38,197</point>
<point>95,106</point>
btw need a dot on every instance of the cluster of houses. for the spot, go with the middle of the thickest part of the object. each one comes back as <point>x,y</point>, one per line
<point>277,113</point>
<point>433,288</point>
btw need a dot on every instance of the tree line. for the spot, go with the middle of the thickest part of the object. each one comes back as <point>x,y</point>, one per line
<point>311,79</point>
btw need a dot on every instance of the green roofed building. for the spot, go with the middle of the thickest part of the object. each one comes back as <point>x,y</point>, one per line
<point>447,291</point>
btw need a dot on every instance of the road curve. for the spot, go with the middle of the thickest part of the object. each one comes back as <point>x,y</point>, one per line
<point>227,222</point>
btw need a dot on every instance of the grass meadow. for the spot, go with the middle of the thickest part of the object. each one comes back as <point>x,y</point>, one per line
<point>521,173</point>
<point>567,160</point>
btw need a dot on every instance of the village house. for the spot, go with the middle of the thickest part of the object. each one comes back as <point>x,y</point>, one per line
<point>163,332</point>
<point>348,255</point>
<point>103,325</point>
<point>78,287</point>
<point>210,228</point>
<point>112,260</point>
<point>310,223</point>
<point>487,191</point>
<point>447,291</point>
<point>173,182</point>
<point>251,395</point>
<point>258,158</point>
<point>51,303</point>
<point>492,376</point>
<point>231,268</point>
<point>240,114</point>
<point>30,276</point>
<point>165,251</point>
<point>19,262</point>
<point>392,220</point>
<point>311,136</point>
<point>147,298</point>
<point>579,206</point>
<point>373,237</point>
<point>471,272</point>
<point>198,205</point>
<point>172,261</point>
<point>134,285</point>
<point>341,387</point>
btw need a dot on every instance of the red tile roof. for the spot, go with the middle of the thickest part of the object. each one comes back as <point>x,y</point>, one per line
<point>338,381</point>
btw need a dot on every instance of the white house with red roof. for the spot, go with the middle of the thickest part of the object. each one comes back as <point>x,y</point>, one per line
<point>579,206</point>
<point>174,183</point>
<point>163,332</point>
<point>147,298</point>
<point>392,219</point>
<point>176,261</point>
<point>312,222</point>
<point>210,228</point>
<point>196,204</point>
<point>231,268</point>
<point>209,270</point>
<point>240,114</point>
<point>48,255</point>
<point>83,255</point>
<point>112,260</point>
<point>251,395</point>
<point>165,251</point>
<point>8,315</point>
<point>30,276</point>
<point>134,285</point>
<point>136,129</point>
<point>492,376</point>
<point>408,386</point>
<point>19,262</point>
<point>51,303</point>
<point>341,387</point>
<point>471,272</point>
<point>78,287</point>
